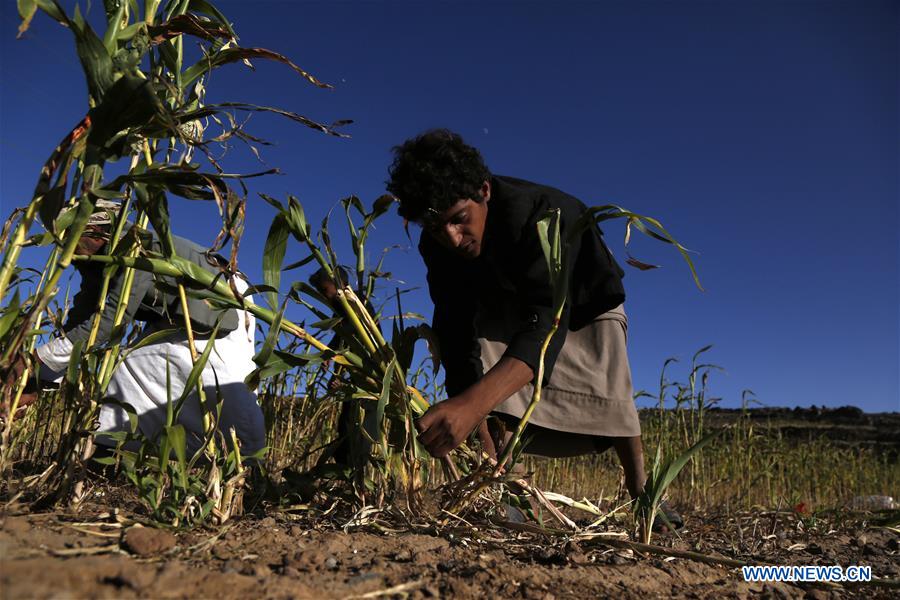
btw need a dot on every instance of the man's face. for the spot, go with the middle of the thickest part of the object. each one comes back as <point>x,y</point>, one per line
<point>328,289</point>
<point>460,228</point>
<point>91,241</point>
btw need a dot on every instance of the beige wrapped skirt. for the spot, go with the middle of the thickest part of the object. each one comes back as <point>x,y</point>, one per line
<point>589,394</point>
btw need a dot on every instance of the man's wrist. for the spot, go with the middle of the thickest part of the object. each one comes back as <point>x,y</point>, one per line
<point>503,380</point>
<point>473,401</point>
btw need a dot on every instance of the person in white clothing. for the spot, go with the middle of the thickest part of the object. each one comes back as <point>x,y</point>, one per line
<point>140,379</point>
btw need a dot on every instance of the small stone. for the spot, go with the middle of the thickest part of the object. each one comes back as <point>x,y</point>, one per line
<point>290,572</point>
<point>260,570</point>
<point>268,522</point>
<point>618,559</point>
<point>861,541</point>
<point>146,541</point>
<point>331,563</point>
<point>296,531</point>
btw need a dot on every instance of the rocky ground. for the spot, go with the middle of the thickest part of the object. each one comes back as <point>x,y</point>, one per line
<point>100,553</point>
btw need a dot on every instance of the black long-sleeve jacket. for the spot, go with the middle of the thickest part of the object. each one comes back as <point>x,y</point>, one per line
<point>511,271</point>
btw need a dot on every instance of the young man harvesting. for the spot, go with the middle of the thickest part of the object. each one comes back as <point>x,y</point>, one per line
<point>493,308</point>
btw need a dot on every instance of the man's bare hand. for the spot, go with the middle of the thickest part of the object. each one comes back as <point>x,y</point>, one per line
<point>15,370</point>
<point>446,425</point>
<point>25,400</point>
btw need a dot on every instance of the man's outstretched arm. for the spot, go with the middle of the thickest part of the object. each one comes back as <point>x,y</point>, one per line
<point>446,424</point>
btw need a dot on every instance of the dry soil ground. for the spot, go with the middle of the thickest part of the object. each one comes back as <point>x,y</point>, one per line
<point>94,554</point>
<point>100,552</point>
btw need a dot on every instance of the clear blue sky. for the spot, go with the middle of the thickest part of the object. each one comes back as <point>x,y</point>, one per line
<point>763,134</point>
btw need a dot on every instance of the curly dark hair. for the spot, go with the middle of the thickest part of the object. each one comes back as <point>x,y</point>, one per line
<point>435,170</point>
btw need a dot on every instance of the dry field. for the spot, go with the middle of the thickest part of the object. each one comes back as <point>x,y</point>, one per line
<point>755,486</point>
<point>312,550</point>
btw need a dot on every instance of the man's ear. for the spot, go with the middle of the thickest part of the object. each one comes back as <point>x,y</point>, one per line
<point>485,191</point>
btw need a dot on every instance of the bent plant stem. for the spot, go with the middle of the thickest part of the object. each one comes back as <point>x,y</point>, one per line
<point>233,491</point>
<point>354,319</point>
<point>556,255</point>
<point>208,424</point>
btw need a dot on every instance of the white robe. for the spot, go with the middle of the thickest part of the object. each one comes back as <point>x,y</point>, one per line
<point>140,381</point>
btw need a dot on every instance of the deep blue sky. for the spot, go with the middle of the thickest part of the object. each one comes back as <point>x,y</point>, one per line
<point>763,134</point>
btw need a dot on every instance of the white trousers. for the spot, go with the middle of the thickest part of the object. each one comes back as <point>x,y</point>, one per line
<point>141,382</point>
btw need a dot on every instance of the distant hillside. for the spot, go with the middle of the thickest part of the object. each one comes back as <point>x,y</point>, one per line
<point>847,425</point>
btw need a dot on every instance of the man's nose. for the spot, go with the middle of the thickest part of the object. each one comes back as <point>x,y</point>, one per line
<point>453,235</point>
